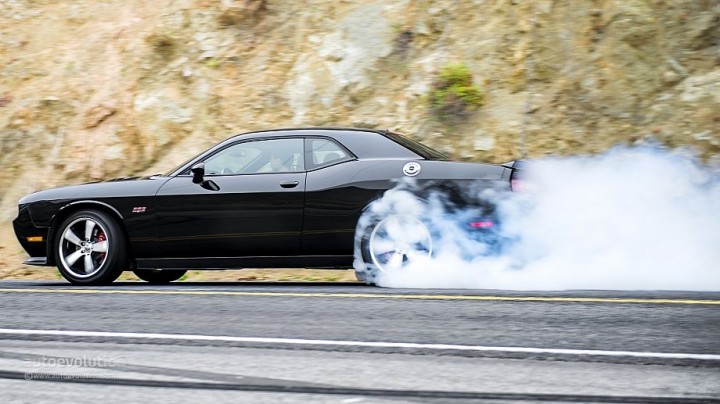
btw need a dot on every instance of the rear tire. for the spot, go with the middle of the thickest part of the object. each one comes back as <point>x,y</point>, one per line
<point>90,248</point>
<point>158,276</point>
<point>390,244</point>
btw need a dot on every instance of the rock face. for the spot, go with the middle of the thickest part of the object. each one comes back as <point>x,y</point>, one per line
<point>97,89</point>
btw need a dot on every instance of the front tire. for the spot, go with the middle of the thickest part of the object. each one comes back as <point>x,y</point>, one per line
<point>159,277</point>
<point>90,248</point>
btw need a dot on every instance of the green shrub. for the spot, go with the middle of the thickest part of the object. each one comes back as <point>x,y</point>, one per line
<point>454,95</point>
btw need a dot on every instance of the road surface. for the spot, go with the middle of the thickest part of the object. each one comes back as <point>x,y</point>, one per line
<point>347,343</point>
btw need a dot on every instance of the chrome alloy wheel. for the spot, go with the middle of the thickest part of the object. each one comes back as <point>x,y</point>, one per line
<point>398,241</point>
<point>83,247</point>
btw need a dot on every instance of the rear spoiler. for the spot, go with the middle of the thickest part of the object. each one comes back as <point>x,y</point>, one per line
<point>515,165</point>
<point>515,175</point>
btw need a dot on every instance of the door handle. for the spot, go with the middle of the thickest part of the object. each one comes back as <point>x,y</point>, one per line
<point>289,184</point>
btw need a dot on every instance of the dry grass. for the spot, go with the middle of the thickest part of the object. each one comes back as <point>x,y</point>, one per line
<point>24,272</point>
<point>280,275</point>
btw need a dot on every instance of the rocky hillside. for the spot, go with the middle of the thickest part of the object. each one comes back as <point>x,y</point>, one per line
<point>92,89</point>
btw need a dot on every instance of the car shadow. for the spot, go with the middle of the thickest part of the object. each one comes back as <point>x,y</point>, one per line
<point>254,284</point>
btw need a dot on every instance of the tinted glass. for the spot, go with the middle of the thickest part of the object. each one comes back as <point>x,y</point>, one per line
<point>325,152</point>
<point>262,156</point>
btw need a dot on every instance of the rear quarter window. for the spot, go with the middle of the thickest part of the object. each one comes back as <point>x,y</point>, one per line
<point>323,152</point>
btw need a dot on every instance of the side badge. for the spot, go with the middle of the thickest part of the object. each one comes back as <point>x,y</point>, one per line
<point>411,169</point>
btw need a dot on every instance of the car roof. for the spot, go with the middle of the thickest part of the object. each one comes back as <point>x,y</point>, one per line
<point>362,142</point>
<point>300,131</point>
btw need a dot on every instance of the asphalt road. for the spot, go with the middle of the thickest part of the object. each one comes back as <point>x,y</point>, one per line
<point>270,342</point>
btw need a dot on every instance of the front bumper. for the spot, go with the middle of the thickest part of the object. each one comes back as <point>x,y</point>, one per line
<point>25,231</point>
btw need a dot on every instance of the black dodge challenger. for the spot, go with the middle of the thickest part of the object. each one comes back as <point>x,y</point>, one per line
<point>277,198</point>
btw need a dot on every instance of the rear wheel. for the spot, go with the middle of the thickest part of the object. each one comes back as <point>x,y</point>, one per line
<point>90,248</point>
<point>394,243</point>
<point>399,241</point>
<point>158,276</point>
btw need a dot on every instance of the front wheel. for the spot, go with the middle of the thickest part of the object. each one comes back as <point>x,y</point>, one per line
<point>90,248</point>
<point>157,276</point>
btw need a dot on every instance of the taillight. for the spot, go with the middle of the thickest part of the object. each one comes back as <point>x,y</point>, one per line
<point>485,224</point>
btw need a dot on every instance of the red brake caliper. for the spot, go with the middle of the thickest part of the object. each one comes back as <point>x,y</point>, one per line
<point>100,238</point>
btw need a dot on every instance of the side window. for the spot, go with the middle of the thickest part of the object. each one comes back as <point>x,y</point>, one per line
<point>324,152</point>
<point>259,156</point>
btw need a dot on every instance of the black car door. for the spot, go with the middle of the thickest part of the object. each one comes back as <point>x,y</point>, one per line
<point>254,208</point>
<point>333,199</point>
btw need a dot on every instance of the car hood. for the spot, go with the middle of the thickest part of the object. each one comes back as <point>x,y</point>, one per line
<point>117,187</point>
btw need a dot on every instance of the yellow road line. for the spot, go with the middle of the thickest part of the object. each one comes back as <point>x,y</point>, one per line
<point>368,296</point>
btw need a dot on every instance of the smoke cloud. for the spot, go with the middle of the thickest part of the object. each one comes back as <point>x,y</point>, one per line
<point>630,219</point>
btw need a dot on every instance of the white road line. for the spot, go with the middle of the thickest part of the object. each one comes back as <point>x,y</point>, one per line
<point>366,344</point>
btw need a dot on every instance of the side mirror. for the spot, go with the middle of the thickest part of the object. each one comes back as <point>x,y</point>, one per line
<point>198,171</point>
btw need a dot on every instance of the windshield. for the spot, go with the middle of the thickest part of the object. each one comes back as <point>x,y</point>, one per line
<point>425,152</point>
<point>169,173</point>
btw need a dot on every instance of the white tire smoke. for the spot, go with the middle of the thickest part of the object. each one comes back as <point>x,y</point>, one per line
<point>630,219</point>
